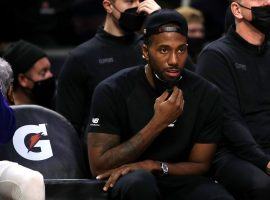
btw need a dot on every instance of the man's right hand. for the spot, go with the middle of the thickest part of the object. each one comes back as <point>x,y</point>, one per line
<point>167,110</point>
<point>148,6</point>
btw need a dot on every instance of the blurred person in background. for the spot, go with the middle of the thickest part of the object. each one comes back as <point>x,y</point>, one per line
<point>33,81</point>
<point>196,30</point>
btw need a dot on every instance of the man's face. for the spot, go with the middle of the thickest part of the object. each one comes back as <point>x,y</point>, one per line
<point>167,54</point>
<point>122,5</point>
<point>195,30</point>
<point>40,71</point>
<point>251,3</point>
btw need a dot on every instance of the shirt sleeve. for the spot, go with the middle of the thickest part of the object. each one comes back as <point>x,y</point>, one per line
<point>211,116</point>
<point>214,67</point>
<point>7,121</point>
<point>104,115</point>
<point>71,98</point>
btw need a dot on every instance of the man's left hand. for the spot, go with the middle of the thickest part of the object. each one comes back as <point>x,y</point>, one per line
<point>114,174</point>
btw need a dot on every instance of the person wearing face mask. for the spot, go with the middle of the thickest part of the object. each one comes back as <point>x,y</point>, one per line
<point>115,46</point>
<point>33,81</point>
<point>238,64</point>
<point>196,32</point>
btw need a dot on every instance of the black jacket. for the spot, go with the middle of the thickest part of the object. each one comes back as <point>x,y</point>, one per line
<point>242,71</point>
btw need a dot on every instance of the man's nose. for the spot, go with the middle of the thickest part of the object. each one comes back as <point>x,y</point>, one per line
<point>49,74</point>
<point>172,61</point>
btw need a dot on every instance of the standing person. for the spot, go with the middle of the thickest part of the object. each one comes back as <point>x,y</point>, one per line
<point>158,119</point>
<point>114,47</point>
<point>33,81</point>
<point>238,64</point>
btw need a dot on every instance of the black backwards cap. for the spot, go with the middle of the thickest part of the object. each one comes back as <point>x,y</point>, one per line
<point>154,22</point>
<point>22,56</point>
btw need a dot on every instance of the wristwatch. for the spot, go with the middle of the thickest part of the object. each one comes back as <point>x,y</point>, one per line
<point>164,168</point>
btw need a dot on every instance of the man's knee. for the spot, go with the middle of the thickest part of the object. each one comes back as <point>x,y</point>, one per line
<point>139,179</point>
<point>139,183</point>
<point>211,191</point>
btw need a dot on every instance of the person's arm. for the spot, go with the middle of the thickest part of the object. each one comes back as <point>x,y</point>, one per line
<point>71,98</point>
<point>105,150</point>
<point>198,163</point>
<point>214,67</point>
<point>7,121</point>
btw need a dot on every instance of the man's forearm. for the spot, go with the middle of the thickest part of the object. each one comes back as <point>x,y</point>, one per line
<point>128,151</point>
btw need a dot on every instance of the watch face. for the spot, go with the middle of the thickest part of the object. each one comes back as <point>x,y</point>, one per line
<point>164,168</point>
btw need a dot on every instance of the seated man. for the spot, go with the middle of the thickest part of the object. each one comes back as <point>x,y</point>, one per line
<point>33,81</point>
<point>238,64</point>
<point>16,182</point>
<point>154,128</point>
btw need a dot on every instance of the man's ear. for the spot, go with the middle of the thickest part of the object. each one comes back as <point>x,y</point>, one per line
<point>23,81</point>
<point>107,4</point>
<point>236,10</point>
<point>145,53</point>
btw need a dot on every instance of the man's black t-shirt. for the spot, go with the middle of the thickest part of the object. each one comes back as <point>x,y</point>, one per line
<point>124,103</point>
<point>89,64</point>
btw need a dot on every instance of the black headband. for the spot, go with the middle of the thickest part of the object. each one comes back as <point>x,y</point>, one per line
<point>157,30</point>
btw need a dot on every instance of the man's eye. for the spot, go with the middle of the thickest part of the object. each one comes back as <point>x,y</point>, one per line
<point>163,50</point>
<point>182,48</point>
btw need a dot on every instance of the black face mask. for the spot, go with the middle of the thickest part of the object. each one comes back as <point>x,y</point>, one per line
<point>130,20</point>
<point>161,84</point>
<point>43,92</point>
<point>195,46</point>
<point>261,18</point>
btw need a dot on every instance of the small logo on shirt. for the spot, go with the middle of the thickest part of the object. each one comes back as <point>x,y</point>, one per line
<point>172,124</point>
<point>95,122</point>
<point>240,66</point>
<point>105,60</point>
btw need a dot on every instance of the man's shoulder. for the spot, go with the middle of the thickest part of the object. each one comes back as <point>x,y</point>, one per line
<point>86,47</point>
<point>218,45</point>
<point>198,82</point>
<point>124,78</point>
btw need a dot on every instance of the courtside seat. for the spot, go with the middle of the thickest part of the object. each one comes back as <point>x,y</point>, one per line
<point>45,141</point>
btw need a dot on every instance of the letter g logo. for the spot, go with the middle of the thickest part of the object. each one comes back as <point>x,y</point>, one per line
<point>28,142</point>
